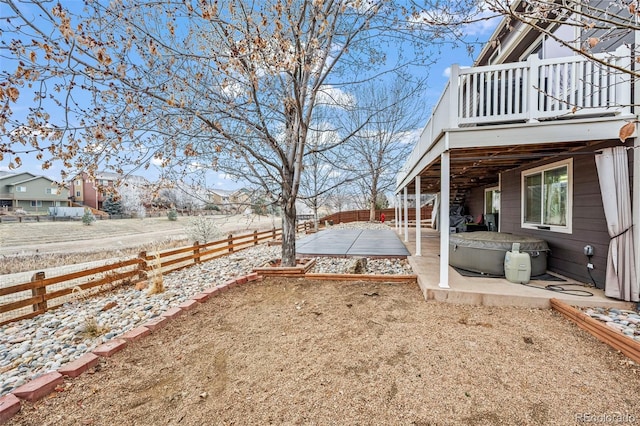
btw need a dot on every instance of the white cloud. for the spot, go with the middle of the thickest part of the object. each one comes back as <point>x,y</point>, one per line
<point>447,71</point>
<point>485,24</point>
<point>476,24</point>
<point>332,96</point>
<point>409,137</point>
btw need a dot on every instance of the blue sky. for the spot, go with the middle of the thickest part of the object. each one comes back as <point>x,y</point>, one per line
<point>438,77</point>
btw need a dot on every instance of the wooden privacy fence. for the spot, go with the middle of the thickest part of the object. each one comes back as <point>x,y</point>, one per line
<point>26,300</point>
<point>363,215</point>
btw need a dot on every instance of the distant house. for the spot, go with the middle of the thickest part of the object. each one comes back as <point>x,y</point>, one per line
<point>231,202</point>
<point>92,192</point>
<point>31,192</point>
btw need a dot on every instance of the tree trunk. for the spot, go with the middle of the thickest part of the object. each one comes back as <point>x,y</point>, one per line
<point>288,219</point>
<point>315,217</point>
<point>289,234</point>
<point>372,207</point>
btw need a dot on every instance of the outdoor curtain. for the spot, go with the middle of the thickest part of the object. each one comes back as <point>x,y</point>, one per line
<point>613,173</point>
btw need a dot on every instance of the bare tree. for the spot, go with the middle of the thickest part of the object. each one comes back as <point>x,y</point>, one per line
<point>191,84</point>
<point>320,177</point>
<point>182,197</point>
<point>382,145</point>
<point>132,199</point>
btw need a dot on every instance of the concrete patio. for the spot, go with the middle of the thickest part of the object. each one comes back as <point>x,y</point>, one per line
<point>353,243</point>
<point>491,291</point>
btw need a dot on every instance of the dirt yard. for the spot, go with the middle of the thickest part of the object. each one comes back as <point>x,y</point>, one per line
<point>301,352</point>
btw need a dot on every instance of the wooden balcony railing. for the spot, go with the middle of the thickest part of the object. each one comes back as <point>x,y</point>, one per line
<point>538,89</point>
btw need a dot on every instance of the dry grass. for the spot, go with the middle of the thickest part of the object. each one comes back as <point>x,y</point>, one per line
<point>93,329</point>
<point>36,261</point>
<point>36,246</point>
<point>156,280</point>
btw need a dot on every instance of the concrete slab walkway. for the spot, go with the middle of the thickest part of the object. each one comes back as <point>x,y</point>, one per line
<point>352,242</point>
<point>492,291</point>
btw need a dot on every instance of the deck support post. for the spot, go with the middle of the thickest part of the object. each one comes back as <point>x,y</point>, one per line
<point>399,215</point>
<point>636,199</point>
<point>445,165</point>
<point>418,221</point>
<point>406,214</point>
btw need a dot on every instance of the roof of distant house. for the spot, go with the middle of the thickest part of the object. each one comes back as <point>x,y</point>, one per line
<point>27,179</point>
<point>104,175</point>
<point>221,192</point>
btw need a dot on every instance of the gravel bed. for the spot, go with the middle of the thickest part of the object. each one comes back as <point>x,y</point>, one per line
<point>32,347</point>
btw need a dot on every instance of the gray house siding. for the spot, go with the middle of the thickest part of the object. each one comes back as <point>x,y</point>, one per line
<point>35,197</point>
<point>589,225</point>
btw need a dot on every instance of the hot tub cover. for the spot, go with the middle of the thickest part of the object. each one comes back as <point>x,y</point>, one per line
<point>487,240</point>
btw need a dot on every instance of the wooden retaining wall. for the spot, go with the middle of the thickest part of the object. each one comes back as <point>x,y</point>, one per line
<point>611,337</point>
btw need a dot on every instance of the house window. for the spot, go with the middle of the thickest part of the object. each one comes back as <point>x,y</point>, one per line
<point>78,182</point>
<point>547,195</point>
<point>21,189</point>
<point>52,191</point>
<point>36,204</point>
<point>77,193</point>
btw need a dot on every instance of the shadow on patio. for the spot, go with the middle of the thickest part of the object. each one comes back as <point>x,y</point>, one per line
<point>491,291</point>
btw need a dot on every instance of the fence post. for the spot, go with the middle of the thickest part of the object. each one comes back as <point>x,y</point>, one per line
<point>255,238</point>
<point>143,267</point>
<point>196,252</point>
<point>39,291</point>
<point>273,233</point>
<point>230,237</point>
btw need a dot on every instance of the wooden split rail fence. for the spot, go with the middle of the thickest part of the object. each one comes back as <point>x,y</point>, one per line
<point>41,294</point>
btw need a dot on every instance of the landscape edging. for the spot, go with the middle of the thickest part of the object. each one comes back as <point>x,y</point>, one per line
<point>11,404</point>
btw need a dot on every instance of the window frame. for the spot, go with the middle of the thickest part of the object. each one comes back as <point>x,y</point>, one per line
<point>36,203</point>
<point>21,188</point>
<point>565,229</point>
<point>540,45</point>
<point>495,189</point>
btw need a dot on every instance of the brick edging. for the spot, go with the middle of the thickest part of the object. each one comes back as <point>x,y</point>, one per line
<point>43,385</point>
<point>38,388</point>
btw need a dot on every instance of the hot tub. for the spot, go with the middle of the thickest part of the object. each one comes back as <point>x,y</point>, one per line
<point>484,251</point>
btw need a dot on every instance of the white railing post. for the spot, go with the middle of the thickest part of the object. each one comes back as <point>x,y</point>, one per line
<point>531,89</point>
<point>623,81</point>
<point>454,94</point>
